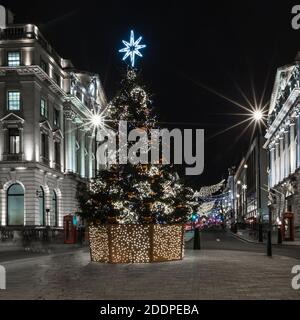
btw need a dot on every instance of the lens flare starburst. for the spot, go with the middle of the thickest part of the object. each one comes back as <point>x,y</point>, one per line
<point>255,108</point>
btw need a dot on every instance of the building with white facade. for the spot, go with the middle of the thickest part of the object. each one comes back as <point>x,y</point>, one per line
<point>45,146</point>
<point>248,190</point>
<point>283,145</point>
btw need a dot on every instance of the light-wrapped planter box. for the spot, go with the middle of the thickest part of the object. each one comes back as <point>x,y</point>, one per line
<point>136,243</point>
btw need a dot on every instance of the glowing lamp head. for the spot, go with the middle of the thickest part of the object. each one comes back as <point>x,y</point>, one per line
<point>97,120</point>
<point>257,115</point>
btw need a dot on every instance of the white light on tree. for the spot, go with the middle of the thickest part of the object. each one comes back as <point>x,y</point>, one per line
<point>132,48</point>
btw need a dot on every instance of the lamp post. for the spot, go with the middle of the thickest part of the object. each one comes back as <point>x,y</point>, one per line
<point>196,234</point>
<point>97,121</point>
<point>279,232</point>
<point>244,187</point>
<point>47,231</point>
<point>269,234</point>
<point>257,117</point>
<point>260,229</point>
<point>269,240</point>
<point>95,151</point>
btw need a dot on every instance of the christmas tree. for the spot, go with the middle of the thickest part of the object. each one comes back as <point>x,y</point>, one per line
<point>135,193</point>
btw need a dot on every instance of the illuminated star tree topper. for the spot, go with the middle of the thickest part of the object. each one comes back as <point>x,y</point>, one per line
<point>132,48</point>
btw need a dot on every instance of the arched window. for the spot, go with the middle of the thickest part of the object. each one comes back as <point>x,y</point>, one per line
<point>42,206</point>
<point>15,205</point>
<point>54,208</point>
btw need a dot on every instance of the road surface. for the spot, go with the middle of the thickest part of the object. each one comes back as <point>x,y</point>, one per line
<point>224,269</point>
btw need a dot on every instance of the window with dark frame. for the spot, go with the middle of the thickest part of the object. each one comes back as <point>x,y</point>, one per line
<point>56,117</point>
<point>56,78</point>
<point>15,205</point>
<point>44,108</point>
<point>14,141</point>
<point>45,146</point>
<point>44,66</point>
<point>57,152</point>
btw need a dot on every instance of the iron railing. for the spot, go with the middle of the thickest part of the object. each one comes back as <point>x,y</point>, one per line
<point>31,234</point>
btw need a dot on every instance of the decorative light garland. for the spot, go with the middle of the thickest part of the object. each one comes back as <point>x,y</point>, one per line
<point>209,190</point>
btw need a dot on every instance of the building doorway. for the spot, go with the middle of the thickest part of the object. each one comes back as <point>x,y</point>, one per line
<point>288,226</point>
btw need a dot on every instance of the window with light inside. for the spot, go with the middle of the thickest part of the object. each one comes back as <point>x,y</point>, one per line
<point>13,59</point>
<point>13,100</point>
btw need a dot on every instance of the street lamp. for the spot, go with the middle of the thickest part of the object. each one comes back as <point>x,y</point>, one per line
<point>244,187</point>
<point>197,245</point>
<point>279,232</point>
<point>258,117</point>
<point>97,121</point>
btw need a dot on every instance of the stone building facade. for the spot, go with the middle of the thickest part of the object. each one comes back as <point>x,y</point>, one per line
<point>250,190</point>
<point>283,145</point>
<point>46,148</point>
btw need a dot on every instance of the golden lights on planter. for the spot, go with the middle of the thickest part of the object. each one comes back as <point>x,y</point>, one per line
<point>136,243</point>
<point>130,243</point>
<point>99,243</point>
<point>167,242</point>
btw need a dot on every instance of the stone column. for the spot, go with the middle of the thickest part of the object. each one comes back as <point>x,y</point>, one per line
<point>281,161</point>
<point>287,166</point>
<point>73,148</point>
<point>62,155</point>
<point>277,163</point>
<point>82,153</point>
<point>293,146</point>
<point>90,157</point>
<point>272,167</point>
<point>86,155</point>
<point>68,145</point>
<point>298,141</point>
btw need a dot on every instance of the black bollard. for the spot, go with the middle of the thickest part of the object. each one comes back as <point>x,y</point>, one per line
<point>269,244</point>
<point>260,232</point>
<point>197,245</point>
<point>279,235</point>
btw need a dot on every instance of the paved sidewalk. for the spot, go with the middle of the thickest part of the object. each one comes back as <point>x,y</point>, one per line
<point>244,236</point>
<point>8,253</point>
<point>203,274</point>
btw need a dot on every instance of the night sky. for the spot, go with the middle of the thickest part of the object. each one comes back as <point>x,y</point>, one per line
<point>190,45</point>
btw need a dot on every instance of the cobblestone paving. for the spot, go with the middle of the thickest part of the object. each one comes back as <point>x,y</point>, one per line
<point>204,274</point>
